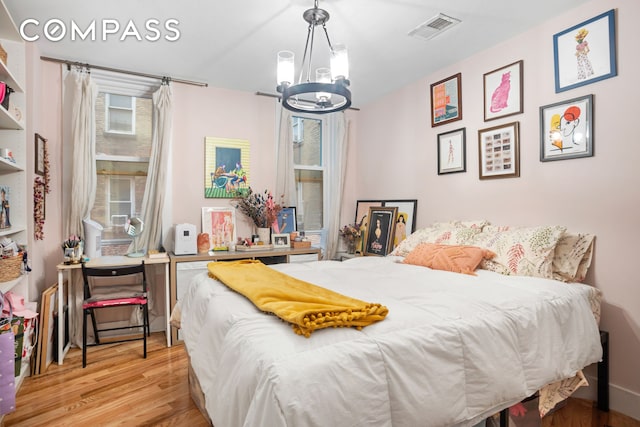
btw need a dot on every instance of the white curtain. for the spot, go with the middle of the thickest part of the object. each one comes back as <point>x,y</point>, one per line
<point>156,186</point>
<point>337,128</point>
<point>285,173</point>
<point>83,164</point>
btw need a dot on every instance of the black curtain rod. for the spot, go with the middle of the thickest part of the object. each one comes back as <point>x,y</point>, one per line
<point>116,70</point>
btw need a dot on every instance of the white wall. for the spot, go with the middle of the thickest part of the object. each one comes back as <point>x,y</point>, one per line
<point>396,159</point>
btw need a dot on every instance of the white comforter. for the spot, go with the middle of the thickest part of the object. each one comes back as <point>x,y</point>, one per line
<point>453,349</point>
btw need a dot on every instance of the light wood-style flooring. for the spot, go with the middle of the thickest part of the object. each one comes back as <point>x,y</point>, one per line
<point>119,387</point>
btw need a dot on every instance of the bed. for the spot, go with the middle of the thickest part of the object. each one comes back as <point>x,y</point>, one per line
<point>453,350</point>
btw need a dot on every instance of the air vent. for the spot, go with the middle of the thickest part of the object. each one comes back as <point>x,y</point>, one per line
<point>433,27</point>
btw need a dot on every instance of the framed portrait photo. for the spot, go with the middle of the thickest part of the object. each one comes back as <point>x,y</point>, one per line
<point>566,129</point>
<point>503,91</point>
<point>446,100</point>
<point>281,240</point>
<point>586,52</point>
<point>499,151</point>
<point>220,225</point>
<point>380,230</point>
<point>452,152</point>
<point>286,221</point>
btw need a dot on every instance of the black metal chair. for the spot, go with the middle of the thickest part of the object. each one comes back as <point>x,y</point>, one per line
<point>108,287</point>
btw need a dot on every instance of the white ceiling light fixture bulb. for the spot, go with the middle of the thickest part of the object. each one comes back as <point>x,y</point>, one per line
<point>329,93</point>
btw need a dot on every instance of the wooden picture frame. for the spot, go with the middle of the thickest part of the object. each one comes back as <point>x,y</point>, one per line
<point>446,100</point>
<point>286,221</point>
<point>452,151</point>
<point>226,167</point>
<point>380,231</point>
<point>40,154</point>
<point>281,240</point>
<point>503,91</point>
<point>499,151</point>
<point>586,52</point>
<point>220,224</point>
<point>566,129</point>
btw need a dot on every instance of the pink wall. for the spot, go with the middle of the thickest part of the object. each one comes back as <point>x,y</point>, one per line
<point>597,195</point>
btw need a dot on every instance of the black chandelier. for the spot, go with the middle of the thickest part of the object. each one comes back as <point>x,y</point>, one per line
<point>329,93</point>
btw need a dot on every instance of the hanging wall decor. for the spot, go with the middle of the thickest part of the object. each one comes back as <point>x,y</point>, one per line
<point>226,167</point>
<point>38,208</point>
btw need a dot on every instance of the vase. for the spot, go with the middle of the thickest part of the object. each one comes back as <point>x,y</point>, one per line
<point>351,246</point>
<point>264,234</point>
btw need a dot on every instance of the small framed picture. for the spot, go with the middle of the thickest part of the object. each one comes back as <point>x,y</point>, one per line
<point>286,221</point>
<point>220,224</point>
<point>499,151</point>
<point>446,100</point>
<point>503,91</point>
<point>40,143</point>
<point>566,129</point>
<point>380,230</point>
<point>585,53</point>
<point>281,240</point>
<point>452,152</point>
<point>405,218</point>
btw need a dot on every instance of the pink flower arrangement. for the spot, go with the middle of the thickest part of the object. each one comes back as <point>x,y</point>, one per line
<point>261,208</point>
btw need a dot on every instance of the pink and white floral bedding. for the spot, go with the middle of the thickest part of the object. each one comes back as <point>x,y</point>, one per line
<point>454,348</point>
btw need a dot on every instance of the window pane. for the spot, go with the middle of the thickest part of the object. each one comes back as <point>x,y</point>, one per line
<point>120,101</point>
<point>120,120</point>
<point>310,192</point>
<point>120,190</point>
<point>308,150</point>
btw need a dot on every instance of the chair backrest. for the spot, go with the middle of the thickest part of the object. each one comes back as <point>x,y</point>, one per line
<point>114,282</point>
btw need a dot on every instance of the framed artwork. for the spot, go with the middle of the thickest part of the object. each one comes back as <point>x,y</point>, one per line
<point>40,150</point>
<point>446,100</point>
<point>566,129</point>
<point>5,207</point>
<point>452,152</point>
<point>503,91</point>
<point>226,167</point>
<point>220,224</point>
<point>405,218</point>
<point>380,231</point>
<point>499,151</point>
<point>286,221</point>
<point>585,53</point>
<point>362,210</point>
<point>281,240</point>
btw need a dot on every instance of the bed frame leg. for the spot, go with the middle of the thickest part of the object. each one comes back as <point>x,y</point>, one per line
<point>504,418</point>
<point>603,373</point>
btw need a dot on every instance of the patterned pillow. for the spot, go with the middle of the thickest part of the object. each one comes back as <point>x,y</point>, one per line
<point>572,257</point>
<point>457,223</point>
<point>455,258</point>
<point>525,251</point>
<point>451,235</point>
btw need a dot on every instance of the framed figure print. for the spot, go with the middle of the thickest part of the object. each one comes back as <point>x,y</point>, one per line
<point>452,152</point>
<point>446,100</point>
<point>40,151</point>
<point>405,218</point>
<point>586,52</point>
<point>380,231</point>
<point>566,129</point>
<point>286,221</point>
<point>499,151</point>
<point>503,91</point>
<point>226,167</point>
<point>220,224</point>
<point>362,210</point>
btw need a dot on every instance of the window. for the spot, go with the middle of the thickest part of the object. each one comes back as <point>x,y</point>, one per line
<point>120,114</point>
<point>122,162</point>
<point>309,175</point>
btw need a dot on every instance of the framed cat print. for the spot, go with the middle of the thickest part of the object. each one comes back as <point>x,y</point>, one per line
<point>503,93</point>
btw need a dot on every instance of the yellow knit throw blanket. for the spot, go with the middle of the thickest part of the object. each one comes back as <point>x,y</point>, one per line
<point>306,306</point>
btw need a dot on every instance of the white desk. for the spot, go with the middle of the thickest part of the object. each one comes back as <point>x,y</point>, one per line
<point>105,261</point>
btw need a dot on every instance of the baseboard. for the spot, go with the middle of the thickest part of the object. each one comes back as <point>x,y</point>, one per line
<point>621,400</point>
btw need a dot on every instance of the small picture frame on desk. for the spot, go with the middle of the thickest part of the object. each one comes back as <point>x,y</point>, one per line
<point>281,240</point>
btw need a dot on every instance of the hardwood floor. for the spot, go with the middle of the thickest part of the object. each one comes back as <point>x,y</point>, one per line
<point>119,387</point>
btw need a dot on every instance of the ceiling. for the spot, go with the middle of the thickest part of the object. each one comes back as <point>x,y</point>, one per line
<point>233,44</point>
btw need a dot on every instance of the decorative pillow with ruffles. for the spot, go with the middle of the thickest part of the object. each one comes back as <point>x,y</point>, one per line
<point>520,251</point>
<point>455,258</point>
